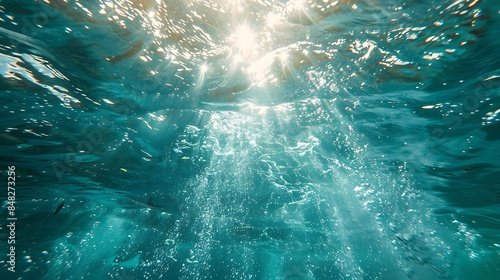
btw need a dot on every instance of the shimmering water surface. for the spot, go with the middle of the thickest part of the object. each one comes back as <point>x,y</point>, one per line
<point>251,139</point>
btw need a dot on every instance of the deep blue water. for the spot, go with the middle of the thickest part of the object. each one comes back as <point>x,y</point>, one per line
<point>251,139</point>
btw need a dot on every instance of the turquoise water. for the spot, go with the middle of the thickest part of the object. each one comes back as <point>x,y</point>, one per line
<point>251,139</point>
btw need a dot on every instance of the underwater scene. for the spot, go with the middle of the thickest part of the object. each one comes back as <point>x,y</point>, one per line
<point>250,139</point>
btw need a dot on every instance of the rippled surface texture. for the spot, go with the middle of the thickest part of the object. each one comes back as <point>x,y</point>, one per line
<point>252,139</point>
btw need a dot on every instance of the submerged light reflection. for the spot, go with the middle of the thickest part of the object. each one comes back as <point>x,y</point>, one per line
<point>281,139</point>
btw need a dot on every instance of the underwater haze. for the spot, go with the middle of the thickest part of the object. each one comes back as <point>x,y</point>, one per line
<point>250,139</point>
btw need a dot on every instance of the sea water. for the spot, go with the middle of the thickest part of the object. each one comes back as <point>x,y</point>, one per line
<point>250,139</point>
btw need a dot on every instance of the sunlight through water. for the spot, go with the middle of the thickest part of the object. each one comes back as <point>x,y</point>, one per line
<point>251,139</point>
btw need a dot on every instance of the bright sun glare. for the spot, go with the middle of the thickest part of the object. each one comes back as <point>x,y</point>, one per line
<point>203,68</point>
<point>244,41</point>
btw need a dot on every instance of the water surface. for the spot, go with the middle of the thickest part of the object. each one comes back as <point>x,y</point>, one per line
<point>252,139</point>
